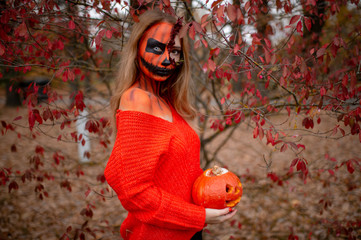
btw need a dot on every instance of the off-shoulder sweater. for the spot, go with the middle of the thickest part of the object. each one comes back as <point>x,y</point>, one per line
<point>152,168</point>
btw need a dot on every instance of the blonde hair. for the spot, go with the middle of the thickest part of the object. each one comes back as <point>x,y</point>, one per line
<point>175,90</point>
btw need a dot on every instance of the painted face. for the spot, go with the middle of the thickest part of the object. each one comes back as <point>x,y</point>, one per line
<point>155,60</point>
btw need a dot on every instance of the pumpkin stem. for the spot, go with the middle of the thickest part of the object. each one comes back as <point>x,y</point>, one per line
<point>216,170</point>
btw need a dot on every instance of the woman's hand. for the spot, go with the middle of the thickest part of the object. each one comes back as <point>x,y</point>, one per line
<point>219,215</point>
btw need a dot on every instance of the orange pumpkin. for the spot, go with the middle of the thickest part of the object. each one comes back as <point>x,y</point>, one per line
<point>217,188</point>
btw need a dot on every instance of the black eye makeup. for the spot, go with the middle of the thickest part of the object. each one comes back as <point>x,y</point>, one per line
<point>154,46</point>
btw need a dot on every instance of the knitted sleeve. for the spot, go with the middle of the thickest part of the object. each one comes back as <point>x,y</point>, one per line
<point>141,140</point>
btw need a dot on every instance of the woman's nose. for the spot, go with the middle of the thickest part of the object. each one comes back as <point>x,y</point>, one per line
<point>166,62</point>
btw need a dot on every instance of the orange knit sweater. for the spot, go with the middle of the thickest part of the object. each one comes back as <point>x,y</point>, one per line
<point>152,168</point>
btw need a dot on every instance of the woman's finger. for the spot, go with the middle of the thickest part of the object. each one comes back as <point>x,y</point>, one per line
<point>223,211</point>
<point>227,216</point>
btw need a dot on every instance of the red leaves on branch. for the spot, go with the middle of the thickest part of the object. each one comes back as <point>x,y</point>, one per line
<point>275,178</point>
<point>66,184</point>
<point>321,52</point>
<point>284,147</point>
<point>79,101</point>
<point>232,12</point>
<point>57,158</point>
<point>87,212</point>
<point>351,164</point>
<point>308,23</point>
<point>13,186</point>
<point>211,65</point>
<point>301,165</point>
<point>350,167</point>
<point>47,114</point>
<point>34,116</point>
<point>308,123</point>
<point>21,30</point>
<point>101,178</point>
<point>39,150</point>
<point>71,25</point>
<point>92,126</point>
<point>294,19</point>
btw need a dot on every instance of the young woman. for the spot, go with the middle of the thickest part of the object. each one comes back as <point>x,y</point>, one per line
<point>155,159</point>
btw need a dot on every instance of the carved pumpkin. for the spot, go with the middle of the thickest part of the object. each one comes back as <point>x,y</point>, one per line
<point>217,188</point>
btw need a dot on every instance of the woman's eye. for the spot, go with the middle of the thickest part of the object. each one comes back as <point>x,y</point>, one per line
<point>175,52</point>
<point>157,49</point>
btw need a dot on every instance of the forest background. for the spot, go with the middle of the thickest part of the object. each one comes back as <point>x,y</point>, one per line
<point>277,86</point>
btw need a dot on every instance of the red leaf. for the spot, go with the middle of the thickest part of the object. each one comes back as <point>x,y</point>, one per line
<point>109,34</point>
<point>215,3</point>
<point>71,24</point>
<point>320,52</point>
<point>39,150</point>
<point>204,19</point>
<point>301,146</point>
<point>31,120</point>
<point>192,32</point>
<point>166,2</point>
<point>2,49</point>
<point>301,166</point>
<point>87,192</point>
<point>232,12</point>
<point>21,30</point>
<point>350,167</point>
<point>17,118</point>
<point>197,44</point>
<point>13,185</point>
<point>13,148</point>
<point>204,43</point>
<point>247,5</point>
<point>294,19</point>
<point>223,100</point>
<point>240,18</point>
<point>331,172</point>
<point>288,110</point>
<point>261,133</point>
<point>345,80</point>
<point>269,137</point>
<point>183,31</point>
<point>197,27</point>
<point>211,65</point>
<point>236,49</point>
<point>284,147</point>
<point>299,27</point>
<point>343,133</point>
<point>255,132</point>
<point>294,162</point>
<point>322,91</point>
<point>308,23</point>
<point>268,43</point>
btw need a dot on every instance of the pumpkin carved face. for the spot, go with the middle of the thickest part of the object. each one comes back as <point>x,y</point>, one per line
<point>155,59</point>
<point>217,188</point>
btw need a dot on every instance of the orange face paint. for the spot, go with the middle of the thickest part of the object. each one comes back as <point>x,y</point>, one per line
<point>155,60</point>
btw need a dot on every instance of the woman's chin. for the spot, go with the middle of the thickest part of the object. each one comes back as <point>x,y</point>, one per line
<point>159,78</point>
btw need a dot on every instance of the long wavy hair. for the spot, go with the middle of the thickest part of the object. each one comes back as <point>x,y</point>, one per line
<point>176,90</point>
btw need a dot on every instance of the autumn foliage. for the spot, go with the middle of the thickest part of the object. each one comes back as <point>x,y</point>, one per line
<point>277,87</point>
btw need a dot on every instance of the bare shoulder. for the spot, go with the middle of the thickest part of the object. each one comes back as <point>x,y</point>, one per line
<point>136,99</point>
